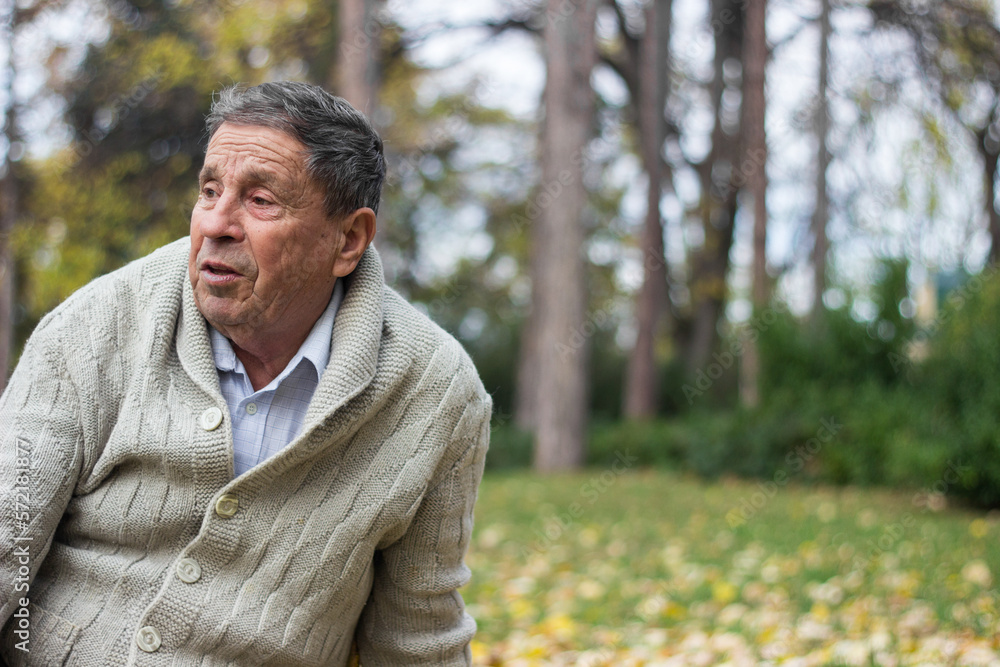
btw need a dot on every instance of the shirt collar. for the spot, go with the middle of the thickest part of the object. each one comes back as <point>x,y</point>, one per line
<point>315,348</point>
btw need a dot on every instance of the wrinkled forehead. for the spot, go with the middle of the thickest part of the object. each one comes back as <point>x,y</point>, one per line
<point>248,149</point>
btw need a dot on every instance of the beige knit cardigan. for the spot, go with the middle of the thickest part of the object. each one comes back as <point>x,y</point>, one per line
<point>125,540</point>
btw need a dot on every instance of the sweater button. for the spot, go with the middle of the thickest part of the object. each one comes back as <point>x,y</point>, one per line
<point>148,639</point>
<point>188,570</point>
<point>211,418</point>
<point>226,505</point>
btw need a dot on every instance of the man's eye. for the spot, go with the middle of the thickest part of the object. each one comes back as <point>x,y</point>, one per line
<point>260,201</point>
<point>208,191</point>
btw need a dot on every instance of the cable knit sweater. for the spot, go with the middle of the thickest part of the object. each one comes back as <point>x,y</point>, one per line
<point>125,540</point>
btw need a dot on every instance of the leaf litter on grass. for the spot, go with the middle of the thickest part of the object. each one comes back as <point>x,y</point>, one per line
<point>651,572</point>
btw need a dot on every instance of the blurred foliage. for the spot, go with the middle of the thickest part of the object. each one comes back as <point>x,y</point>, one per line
<point>846,402</point>
<point>900,404</point>
<point>136,108</point>
<point>961,384</point>
<point>905,420</point>
<point>837,350</point>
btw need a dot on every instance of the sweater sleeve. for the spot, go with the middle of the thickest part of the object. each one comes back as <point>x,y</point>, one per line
<point>40,449</point>
<point>415,615</point>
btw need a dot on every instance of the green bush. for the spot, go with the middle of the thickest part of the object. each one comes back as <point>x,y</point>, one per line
<point>902,422</point>
<point>652,443</point>
<point>837,350</point>
<point>510,447</point>
<point>844,402</point>
<point>961,384</point>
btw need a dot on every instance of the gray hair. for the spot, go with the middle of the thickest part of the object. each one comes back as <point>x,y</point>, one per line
<point>344,153</point>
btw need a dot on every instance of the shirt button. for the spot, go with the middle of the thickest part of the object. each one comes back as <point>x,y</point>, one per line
<point>226,505</point>
<point>211,418</point>
<point>251,408</point>
<point>188,570</point>
<point>148,639</point>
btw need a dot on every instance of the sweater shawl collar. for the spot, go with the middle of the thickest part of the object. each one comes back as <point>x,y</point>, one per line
<point>354,352</point>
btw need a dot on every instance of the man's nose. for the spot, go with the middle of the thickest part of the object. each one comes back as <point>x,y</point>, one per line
<point>224,219</point>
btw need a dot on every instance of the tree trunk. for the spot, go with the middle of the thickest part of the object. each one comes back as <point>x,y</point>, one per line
<point>641,382</point>
<point>357,73</point>
<point>720,187</point>
<point>754,166</point>
<point>822,212</point>
<point>708,281</point>
<point>988,151</point>
<point>558,289</point>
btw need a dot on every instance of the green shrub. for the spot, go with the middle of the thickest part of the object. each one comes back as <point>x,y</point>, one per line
<point>961,385</point>
<point>510,447</point>
<point>837,350</point>
<point>651,443</point>
<point>842,403</point>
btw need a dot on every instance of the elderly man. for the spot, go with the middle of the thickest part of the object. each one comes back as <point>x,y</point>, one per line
<point>245,449</point>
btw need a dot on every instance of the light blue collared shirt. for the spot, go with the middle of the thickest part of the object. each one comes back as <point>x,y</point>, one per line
<point>265,421</point>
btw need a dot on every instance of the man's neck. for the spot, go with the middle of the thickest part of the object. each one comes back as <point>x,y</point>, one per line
<point>265,355</point>
<point>261,369</point>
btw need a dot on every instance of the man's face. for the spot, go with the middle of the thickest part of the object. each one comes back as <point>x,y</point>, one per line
<point>262,246</point>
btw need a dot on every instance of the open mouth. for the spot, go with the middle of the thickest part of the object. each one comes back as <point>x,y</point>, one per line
<point>218,273</point>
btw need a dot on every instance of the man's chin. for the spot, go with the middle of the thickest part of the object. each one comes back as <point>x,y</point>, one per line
<point>220,311</point>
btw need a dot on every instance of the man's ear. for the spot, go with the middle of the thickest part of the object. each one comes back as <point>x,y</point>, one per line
<point>358,229</point>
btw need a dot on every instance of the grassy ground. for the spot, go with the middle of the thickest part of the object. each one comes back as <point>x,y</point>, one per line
<point>623,567</point>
